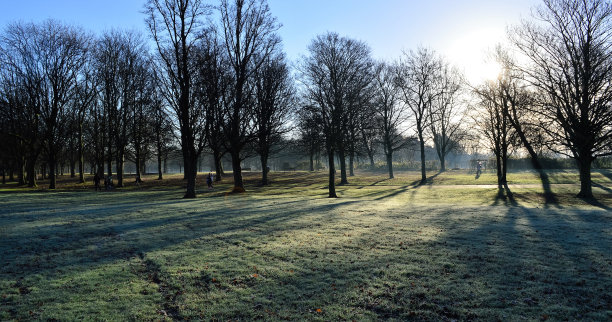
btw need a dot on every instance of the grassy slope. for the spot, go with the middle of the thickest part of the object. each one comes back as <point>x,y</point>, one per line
<point>381,251</point>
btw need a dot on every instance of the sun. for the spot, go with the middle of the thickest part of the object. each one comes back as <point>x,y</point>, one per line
<point>471,52</point>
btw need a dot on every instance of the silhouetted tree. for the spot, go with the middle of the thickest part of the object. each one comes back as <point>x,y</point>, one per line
<point>249,39</point>
<point>142,105</point>
<point>417,76</point>
<point>274,102</point>
<point>51,53</point>
<point>19,115</point>
<point>492,122</point>
<point>213,92</point>
<point>84,99</point>
<point>445,114</point>
<point>163,132</point>
<point>310,134</point>
<point>568,50</point>
<point>331,73</point>
<point>175,26</point>
<point>390,114</point>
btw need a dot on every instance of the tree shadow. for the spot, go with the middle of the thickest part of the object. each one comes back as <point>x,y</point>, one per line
<point>602,187</point>
<point>92,235</point>
<point>606,173</point>
<point>394,193</point>
<point>505,195</point>
<point>549,196</point>
<point>596,203</point>
<point>428,181</point>
<point>528,257</point>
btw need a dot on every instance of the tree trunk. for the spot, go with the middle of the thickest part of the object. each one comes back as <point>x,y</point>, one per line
<point>311,161</point>
<point>499,169</point>
<point>442,162</point>
<point>160,175</point>
<point>504,168</point>
<point>351,165</point>
<point>190,173</point>
<point>72,168</point>
<point>584,166</point>
<point>218,165</point>
<point>21,173</point>
<point>342,157</point>
<point>390,164</point>
<point>81,157</point>
<point>52,170</point>
<point>120,161</point>
<point>264,169</point>
<point>31,167</point>
<point>3,176</point>
<point>237,172</point>
<point>109,164</point>
<point>422,145</point>
<point>332,173</point>
<point>138,166</point>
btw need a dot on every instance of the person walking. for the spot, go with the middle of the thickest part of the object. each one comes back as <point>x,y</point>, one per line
<point>209,180</point>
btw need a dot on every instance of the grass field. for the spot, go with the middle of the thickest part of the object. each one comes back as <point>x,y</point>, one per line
<point>455,248</point>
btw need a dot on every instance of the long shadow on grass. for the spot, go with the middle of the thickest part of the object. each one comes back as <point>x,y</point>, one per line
<point>397,191</point>
<point>512,261</point>
<point>505,195</point>
<point>602,187</point>
<point>527,259</point>
<point>549,196</point>
<point>606,173</point>
<point>43,244</point>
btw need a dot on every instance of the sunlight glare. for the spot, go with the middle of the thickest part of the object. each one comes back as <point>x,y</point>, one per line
<point>471,51</point>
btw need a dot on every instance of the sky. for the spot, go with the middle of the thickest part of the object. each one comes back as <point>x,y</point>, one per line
<point>463,31</point>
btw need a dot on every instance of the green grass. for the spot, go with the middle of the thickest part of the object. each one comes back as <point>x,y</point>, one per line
<point>442,251</point>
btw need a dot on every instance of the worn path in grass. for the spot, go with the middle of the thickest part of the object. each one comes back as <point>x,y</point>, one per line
<point>286,252</point>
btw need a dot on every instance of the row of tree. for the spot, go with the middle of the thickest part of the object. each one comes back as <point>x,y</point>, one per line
<point>555,88</point>
<point>218,82</point>
<point>553,93</point>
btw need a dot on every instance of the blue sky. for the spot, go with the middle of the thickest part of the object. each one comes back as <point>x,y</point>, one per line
<point>460,30</point>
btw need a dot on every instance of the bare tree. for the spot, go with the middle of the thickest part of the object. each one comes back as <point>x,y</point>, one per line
<point>274,102</point>
<point>445,114</point>
<point>143,108</point>
<point>54,53</point>
<point>520,102</point>
<point>391,116</point>
<point>492,121</point>
<point>20,116</point>
<point>213,86</point>
<point>84,98</point>
<point>569,54</point>
<point>359,104</point>
<point>250,38</point>
<point>417,77</point>
<point>175,26</point>
<point>310,134</point>
<point>107,69</point>
<point>163,132</point>
<point>133,87</point>
<point>331,73</point>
